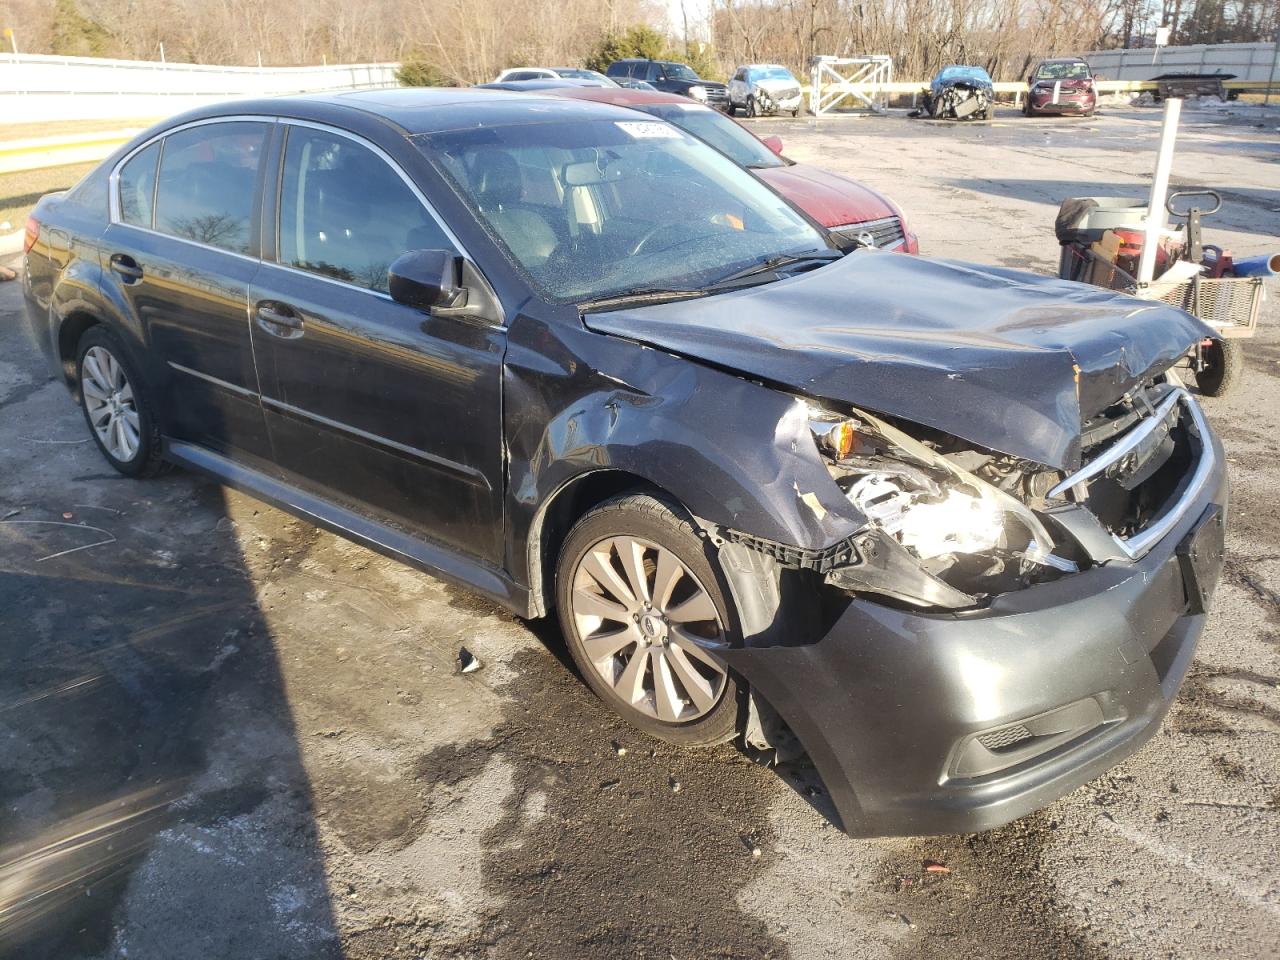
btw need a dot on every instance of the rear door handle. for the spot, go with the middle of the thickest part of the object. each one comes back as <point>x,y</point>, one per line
<point>278,319</point>
<point>126,266</point>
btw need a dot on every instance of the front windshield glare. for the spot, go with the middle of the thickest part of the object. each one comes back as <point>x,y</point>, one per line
<point>1062,71</point>
<point>599,208</point>
<point>678,71</point>
<point>711,126</point>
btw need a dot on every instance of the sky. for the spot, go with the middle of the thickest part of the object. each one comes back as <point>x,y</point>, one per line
<point>698,11</point>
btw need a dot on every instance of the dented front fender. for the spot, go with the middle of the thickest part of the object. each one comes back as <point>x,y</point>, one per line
<point>733,451</point>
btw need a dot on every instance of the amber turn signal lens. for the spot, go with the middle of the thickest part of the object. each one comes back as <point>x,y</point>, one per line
<point>842,439</point>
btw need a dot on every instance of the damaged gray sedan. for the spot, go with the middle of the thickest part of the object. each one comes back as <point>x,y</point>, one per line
<point>950,530</point>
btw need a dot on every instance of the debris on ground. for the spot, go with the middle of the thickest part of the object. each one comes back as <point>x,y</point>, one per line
<point>934,866</point>
<point>676,786</point>
<point>619,749</point>
<point>468,662</point>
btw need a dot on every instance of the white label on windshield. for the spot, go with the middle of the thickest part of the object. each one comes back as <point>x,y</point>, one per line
<point>688,107</point>
<point>647,130</point>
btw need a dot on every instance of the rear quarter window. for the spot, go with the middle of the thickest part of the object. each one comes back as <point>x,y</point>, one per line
<point>137,185</point>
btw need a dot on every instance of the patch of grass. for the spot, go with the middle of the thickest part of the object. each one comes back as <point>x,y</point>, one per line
<point>60,128</point>
<point>20,191</point>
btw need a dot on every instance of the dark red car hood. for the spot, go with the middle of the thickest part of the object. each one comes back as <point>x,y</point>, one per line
<point>829,198</point>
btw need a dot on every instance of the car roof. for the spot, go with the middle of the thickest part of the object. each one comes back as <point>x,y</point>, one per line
<point>622,96</point>
<point>414,110</point>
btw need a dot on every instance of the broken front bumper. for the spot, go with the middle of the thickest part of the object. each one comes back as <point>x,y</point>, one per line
<point>1043,102</point>
<point>926,723</point>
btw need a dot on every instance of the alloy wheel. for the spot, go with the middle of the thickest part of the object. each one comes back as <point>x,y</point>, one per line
<point>648,627</point>
<point>109,403</point>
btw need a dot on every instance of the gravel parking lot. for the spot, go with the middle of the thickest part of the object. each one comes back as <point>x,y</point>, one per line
<point>224,733</point>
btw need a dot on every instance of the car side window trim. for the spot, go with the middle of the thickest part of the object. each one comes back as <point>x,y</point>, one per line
<point>113,180</point>
<point>271,255</point>
<point>287,122</point>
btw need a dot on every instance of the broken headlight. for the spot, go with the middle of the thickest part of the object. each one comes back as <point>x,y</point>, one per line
<point>969,538</point>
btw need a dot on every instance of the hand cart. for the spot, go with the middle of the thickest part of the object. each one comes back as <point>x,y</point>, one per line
<point>1101,240</point>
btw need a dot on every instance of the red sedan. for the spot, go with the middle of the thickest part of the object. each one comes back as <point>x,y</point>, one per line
<point>841,204</point>
<point>1061,86</point>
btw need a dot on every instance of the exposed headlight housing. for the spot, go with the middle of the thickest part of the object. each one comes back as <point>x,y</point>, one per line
<point>698,93</point>
<point>963,531</point>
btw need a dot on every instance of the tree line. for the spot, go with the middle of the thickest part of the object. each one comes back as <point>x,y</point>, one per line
<point>470,41</point>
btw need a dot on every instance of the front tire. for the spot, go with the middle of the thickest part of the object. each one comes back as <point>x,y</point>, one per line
<point>1221,367</point>
<point>751,107</point>
<point>644,608</point>
<point>115,405</point>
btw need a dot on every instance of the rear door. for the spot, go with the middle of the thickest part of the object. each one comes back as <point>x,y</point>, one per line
<point>370,403</point>
<point>181,251</point>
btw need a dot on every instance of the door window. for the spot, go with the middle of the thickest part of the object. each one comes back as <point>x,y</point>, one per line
<point>137,186</point>
<point>208,175</point>
<point>345,213</point>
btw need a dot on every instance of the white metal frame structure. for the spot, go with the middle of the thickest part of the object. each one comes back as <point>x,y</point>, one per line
<point>832,80</point>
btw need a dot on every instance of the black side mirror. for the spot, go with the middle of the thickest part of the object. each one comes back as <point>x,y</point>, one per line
<point>425,279</point>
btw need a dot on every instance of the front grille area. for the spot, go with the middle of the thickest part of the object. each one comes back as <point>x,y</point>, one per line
<point>717,95</point>
<point>1144,460</point>
<point>885,234</point>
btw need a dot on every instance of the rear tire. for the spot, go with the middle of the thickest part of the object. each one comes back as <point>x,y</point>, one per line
<point>636,585</point>
<point>1222,367</point>
<point>115,404</point>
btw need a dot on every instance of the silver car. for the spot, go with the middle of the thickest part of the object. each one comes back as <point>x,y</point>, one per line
<point>764,88</point>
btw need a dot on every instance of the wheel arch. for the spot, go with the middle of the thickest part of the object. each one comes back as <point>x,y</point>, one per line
<point>71,330</point>
<point>556,516</point>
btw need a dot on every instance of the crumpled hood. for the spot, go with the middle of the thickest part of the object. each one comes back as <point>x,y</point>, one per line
<point>778,85</point>
<point>1008,360</point>
<point>829,198</point>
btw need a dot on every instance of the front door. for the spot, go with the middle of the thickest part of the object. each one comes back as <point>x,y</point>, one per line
<point>374,405</point>
<point>181,251</point>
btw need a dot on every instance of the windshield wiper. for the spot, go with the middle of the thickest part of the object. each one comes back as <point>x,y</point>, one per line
<point>649,295</point>
<point>773,264</point>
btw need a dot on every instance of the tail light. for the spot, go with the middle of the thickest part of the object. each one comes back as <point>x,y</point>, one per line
<point>31,235</point>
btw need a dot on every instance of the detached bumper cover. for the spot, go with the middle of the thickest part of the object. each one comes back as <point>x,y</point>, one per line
<point>928,724</point>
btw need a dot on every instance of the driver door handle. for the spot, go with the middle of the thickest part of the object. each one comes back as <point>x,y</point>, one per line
<point>278,319</point>
<point>126,267</point>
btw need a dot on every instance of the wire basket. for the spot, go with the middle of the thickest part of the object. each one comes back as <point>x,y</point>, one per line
<point>1230,304</point>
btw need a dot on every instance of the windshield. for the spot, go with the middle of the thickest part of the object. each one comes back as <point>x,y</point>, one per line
<point>968,73</point>
<point>678,71</point>
<point>1063,71</point>
<point>598,208</point>
<point>713,127</point>
<point>770,73</point>
<point>576,73</point>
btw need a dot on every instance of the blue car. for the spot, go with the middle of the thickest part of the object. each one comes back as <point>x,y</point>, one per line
<point>960,93</point>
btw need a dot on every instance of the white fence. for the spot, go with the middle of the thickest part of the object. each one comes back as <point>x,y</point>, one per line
<point>1248,61</point>
<point>34,88</point>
